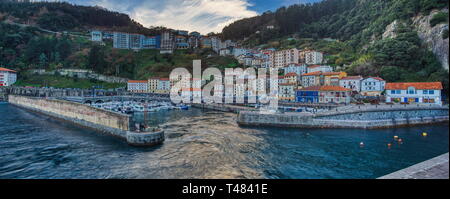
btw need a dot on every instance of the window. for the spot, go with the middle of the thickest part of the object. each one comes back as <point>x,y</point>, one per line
<point>393,91</point>
<point>425,92</point>
<point>431,92</point>
<point>411,91</point>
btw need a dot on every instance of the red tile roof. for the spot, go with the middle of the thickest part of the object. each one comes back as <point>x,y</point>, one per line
<point>318,73</point>
<point>291,74</point>
<point>314,66</point>
<point>164,79</point>
<point>7,70</point>
<point>325,88</point>
<point>137,81</point>
<point>416,85</point>
<point>352,77</point>
<point>377,78</point>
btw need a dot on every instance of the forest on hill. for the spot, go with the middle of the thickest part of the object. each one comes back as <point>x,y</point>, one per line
<point>63,16</point>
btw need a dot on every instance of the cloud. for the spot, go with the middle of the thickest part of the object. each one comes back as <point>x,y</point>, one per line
<point>194,15</point>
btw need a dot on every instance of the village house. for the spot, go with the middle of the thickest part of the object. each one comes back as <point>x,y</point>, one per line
<point>351,82</point>
<point>7,77</point>
<point>138,86</point>
<point>163,86</point>
<point>322,78</point>
<point>319,68</point>
<point>313,57</point>
<point>414,92</point>
<point>153,84</point>
<point>298,69</point>
<point>287,92</point>
<point>372,86</point>
<point>286,57</point>
<point>324,94</point>
<point>292,78</point>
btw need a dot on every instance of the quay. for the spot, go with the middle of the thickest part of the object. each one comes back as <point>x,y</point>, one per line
<point>224,107</point>
<point>435,168</point>
<point>354,116</point>
<point>111,123</point>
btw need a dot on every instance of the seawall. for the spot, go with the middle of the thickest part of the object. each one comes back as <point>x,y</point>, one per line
<point>109,122</point>
<point>350,117</point>
<point>223,107</point>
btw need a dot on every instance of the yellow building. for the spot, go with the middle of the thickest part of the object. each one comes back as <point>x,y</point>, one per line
<point>153,84</point>
<point>322,78</point>
<point>292,78</point>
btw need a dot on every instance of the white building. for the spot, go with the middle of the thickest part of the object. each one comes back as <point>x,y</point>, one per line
<point>320,68</point>
<point>313,57</point>
<point>414,92</point>
<point>298,69</point>
<point>283,58</point>
<point>163,86</point>
<point>121,40</point>
<point>167,42</point>
<point>96,36</point>
<point>7,77</point>
<point>224,52</point>
<point>138,86</point>
<point>239,51</point>
<point>372,86</point>
<point>351,82</point>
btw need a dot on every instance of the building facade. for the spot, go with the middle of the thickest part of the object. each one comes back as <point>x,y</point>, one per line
<point>283,58</point>
<point>167,43</point>
<point>286,92</point>
<point>320,68</point>
<point>322,79</point>
<point>372,86</point>
<point>414,92</point>
<point>298,69</point>
<point>138,86</point>
<point>313,57</point>
<point>351,82</point>
<point>7,77</point>
<point>96,36</point>
<point>121,40</point>
<point>324,94</point>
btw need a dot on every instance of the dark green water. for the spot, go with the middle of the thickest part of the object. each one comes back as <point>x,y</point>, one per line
<point>203,144</point>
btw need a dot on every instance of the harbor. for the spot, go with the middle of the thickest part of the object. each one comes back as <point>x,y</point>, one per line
<point>208,144</point>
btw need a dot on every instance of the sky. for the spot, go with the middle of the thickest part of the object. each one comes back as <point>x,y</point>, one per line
<point>203,16</point>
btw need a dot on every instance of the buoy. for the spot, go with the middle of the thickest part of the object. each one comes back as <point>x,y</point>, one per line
<point>389,145</point>
<point>395,137</point>
<point>400,141</point>
<point>361,144</point>
<point>424,134</point>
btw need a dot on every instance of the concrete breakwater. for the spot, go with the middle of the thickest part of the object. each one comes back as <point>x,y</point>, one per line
<point>112,123</point>
<point>350,117</point>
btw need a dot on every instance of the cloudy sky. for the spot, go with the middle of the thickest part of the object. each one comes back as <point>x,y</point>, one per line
<point>200,15</point>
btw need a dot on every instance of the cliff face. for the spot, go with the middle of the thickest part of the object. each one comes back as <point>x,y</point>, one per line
<point>432,36</point>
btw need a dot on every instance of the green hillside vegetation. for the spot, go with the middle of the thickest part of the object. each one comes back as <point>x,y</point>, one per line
<point>57,81</point>
<point>355,29</point>
<point>24,48</point>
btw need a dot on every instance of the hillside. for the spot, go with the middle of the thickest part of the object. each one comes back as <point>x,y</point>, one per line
<point>62,16</point>
<point>399,40</point>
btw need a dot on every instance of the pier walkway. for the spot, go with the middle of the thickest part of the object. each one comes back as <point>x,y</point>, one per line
<point>435,168</point>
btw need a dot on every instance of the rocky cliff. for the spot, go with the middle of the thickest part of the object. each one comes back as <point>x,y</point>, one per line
<point>432,36</point>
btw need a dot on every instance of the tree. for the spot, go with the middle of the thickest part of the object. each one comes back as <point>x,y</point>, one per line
<point>43,61</point>
<point>96,58</point>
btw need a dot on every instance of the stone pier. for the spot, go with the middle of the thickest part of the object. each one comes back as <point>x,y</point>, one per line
<point>435,168</point>
<point>112,123</point>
